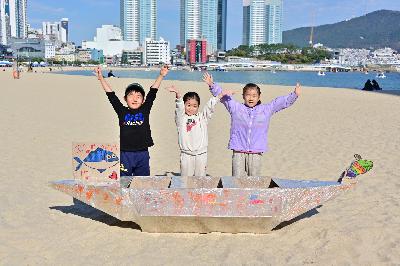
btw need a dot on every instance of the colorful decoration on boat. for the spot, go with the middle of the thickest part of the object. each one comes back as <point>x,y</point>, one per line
<point>95,162</point>
<point>357,167</point>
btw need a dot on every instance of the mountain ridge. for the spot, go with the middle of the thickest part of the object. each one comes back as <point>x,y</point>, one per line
<point>374,30</point>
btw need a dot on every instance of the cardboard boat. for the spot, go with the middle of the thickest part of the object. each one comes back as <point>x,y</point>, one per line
<point>172,204</point>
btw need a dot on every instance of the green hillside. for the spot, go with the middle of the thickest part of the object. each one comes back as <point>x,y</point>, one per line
<point>375,30</point>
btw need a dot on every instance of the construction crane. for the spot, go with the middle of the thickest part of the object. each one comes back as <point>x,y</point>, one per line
<point>311,42</point>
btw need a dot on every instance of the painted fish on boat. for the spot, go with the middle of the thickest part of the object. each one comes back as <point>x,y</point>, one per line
<point>98,156</point>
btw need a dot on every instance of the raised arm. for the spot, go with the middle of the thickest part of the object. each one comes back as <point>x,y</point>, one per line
<point>106,86</point>
<point>283,102</point>
<point>115,102</point>
<point>179,107</point>
<point>225,98</point>
<point>151,96</point>
<point>159,79</point>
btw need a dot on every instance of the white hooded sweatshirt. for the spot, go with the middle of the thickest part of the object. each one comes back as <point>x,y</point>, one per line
<point>193,129</point>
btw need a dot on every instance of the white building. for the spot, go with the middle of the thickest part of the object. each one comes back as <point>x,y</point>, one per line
<point>109,39</point>
<point>56,31</point>
<point>49,50</point>
<point>3,22</point>
<point>65,57</point>
<point>13,20</point>
<point>138,20</point>
<point>262,21</point>
<point>18,18</point>
<point>156,52</point>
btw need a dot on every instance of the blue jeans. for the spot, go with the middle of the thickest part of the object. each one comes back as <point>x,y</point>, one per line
<point>135,163</point>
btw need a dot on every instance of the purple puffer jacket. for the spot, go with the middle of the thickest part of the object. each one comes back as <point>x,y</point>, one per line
<point>249,126</point>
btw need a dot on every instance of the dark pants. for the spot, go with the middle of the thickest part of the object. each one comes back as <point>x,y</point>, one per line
<point>135,163</point>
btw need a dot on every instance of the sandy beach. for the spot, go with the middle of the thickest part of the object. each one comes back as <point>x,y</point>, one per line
<point>42,114</point>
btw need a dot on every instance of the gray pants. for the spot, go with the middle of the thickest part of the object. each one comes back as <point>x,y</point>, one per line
<point>193,165</point>
<point>246,164</point>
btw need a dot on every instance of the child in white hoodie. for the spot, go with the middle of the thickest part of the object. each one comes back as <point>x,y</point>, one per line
<point>192,130</point>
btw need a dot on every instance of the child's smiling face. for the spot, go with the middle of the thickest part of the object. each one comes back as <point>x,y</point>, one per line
<point>191,106</point>
<point>251,97</point>
<point>134,100</point>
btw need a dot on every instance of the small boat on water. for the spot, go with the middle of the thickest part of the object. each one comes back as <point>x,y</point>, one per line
<point>321,73</point>
<point>205,204</point>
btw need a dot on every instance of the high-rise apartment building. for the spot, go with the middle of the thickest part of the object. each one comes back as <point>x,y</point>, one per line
<point>204,19</point>
<point>221,25</point>
<point>64,32</point>
<point>274,12</point>
<point>138,19</point>
<point>13,19</point>
<point>4,22</point>
<point>262,21</point>
<point>57,31</point>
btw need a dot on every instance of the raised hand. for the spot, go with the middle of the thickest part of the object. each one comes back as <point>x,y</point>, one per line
<point>164,70</point>
<point>174,89</point>
<point>207,78</point>
<point>297,90</point>
<point>98,73</point>
<point>226,92</point>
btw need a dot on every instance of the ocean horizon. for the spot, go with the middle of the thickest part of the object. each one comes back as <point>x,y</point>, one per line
<point>350,80</point>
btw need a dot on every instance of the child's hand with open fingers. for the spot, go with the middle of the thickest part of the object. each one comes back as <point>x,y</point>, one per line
<point>207,78</point>
<point>297,89</point>
<point>174,89</point>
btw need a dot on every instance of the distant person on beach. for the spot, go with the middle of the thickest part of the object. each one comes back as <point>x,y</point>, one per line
<point>135,133</point>
<point>110,74</point>
<point>249,125</point>
<point>368,86</point>
<point>16,71</point>
<point>375,85</point>
<point>192,128</point>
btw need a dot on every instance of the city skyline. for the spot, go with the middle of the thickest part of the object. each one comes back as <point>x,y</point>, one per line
<point>203,19</point>
<point>297,13</point>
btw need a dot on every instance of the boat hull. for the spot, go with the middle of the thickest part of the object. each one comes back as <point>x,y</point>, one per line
<point>186,205</point>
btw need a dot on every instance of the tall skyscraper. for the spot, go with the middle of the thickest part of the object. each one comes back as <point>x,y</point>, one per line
<point>64,32</point>
<point>18,19</point>
<point>221,25</point>
<point>57,31</point>
<point>3,22</point>
<point>190,21</point>
<point>13,20</point>
<point>274,12</point>
<point>204,19</point>
<point>138,19</point>
<point>262,21</point>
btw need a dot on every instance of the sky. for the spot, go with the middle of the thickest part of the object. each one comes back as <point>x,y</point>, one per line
<point>87,15</point>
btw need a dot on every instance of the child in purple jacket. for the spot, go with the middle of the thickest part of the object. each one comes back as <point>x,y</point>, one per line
<point>249,125</point>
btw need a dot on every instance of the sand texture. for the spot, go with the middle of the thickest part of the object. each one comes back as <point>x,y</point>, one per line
<point>42,114</point>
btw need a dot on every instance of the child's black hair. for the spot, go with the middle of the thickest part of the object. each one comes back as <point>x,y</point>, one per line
<point>191,95</point>
<point>252,86</point>
<point>136,87</point>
